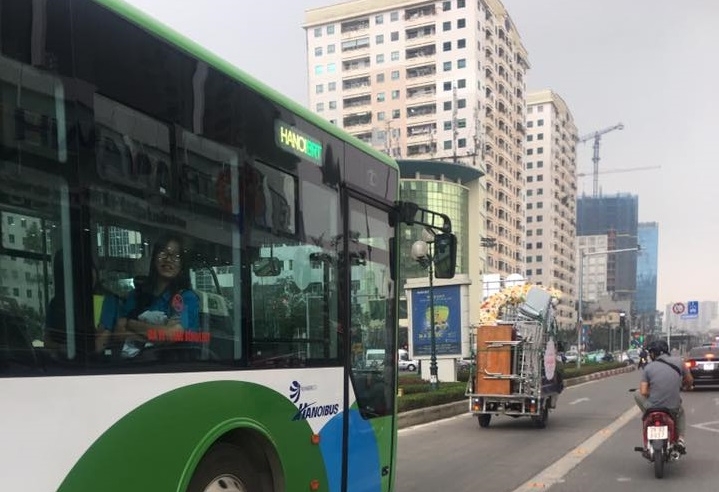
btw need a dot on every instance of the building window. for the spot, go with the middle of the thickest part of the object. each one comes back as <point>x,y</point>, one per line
<point>540,191</point>
<point>318,32</point>
<point>461,63</point>
<point>530,124</point>
<point>530,165</point>
<point>530,138</point>
<point>447,145</point>
<point>331,68</point>
<point>529,220</point>
<point>395,55</point>
<point>395,94</point>
<point>530,179</point>
<point>529,272</point>
<point>539,245</point>
<point>447,125</point>
<point>331,29</point>
<point>380,77</point>
<point>379,39</point>
<point>333,104</point>
<point>539,271</point>
<point>540,177</point>
<point>462,142</point>
<point>540,122</point>
<point>394,36</point>
<point>380,116</point>
<point>530,151</point>
<point>529,193</point>
<point>461,43</point>
<point>530,109</point>
<point>318,51</point>
<point>461,23</point>
<point>395,74</point>
<point>394,16</point>
<point>462,123</point>
<point>380,96</point>
<point>331,86</point>
<point>446,6</point>
<point>447,66</point>
<point>540,108</point>
<point>540,136</point>
<point>540,218</point>
<point>540,150</point>
<point>379,58</point>
<point>540,204</point>
<point>378,19</point>
<point>330,49</point>
<point>319,69</point>
<point>460,4</point>
<point>529,232</point>
<point>320,107</point>
<point>447,105</point>
<point>540,163</point>
<point>461,83</point>
<point>461,103</point>
<point>447,46</point>
<point>395,114</point>
<point>539,232</point>
<point>447,86</point>
<point>446,26</point>
<point>319,89</point>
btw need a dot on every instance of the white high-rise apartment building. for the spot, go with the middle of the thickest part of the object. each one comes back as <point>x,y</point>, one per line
<point>551,196</point>
<point>434,80</point>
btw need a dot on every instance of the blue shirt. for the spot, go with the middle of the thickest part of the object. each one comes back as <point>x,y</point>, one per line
<point>183,306</point>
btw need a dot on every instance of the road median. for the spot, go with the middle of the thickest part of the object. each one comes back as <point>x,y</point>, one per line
<point>430,414</point>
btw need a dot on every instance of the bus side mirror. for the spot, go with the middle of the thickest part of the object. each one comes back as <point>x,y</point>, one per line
<point>445,255</point>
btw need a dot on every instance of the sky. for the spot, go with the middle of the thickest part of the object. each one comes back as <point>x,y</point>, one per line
<point>648,64</point>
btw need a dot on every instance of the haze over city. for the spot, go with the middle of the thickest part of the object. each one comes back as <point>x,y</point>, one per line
<point>644,63</point>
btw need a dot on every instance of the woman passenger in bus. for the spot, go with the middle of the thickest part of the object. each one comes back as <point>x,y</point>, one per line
<point>164,308</point>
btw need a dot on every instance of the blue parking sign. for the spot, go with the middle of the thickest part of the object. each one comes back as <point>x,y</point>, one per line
<point>693,308</point>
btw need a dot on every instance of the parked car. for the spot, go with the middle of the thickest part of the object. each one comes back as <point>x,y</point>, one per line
<point>404,363</point>
<point>703,363</point>
<point>571,356</point>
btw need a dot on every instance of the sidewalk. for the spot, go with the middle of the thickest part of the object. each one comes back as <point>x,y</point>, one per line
<point>430,414</point>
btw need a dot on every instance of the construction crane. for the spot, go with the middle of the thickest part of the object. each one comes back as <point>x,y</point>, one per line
<point>597,136</point>
<point>621,170</point>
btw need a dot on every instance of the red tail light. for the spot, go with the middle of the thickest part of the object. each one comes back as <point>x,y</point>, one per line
<point>657,422</point>
<point>690,363</point>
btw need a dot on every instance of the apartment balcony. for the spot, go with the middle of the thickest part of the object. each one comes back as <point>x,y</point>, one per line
<point>421,150</point>
<point>419,15</point>
<point>356,47</point>
<point>421,73</point>
<point>356,85</point>
<point>424,52</point>
<point>422,111</point>
<point>355,122</point>
<point>355,27</point>
<point>353,103</point>
<point>356,64</point>
<point>419,35</point>
<point>422,92</point>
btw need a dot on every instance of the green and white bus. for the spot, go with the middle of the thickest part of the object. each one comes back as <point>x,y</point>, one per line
<point>192,268</point>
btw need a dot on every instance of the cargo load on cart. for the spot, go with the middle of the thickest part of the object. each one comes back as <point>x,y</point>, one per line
<point>515,371</point>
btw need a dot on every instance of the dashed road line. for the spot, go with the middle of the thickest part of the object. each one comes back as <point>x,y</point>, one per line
<point>556,472</point>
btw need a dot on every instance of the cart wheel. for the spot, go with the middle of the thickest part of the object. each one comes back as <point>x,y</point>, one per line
<point>484,420</point>
<point>540,421</point>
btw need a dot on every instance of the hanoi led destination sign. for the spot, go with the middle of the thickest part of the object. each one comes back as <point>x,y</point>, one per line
<point>293,140</point>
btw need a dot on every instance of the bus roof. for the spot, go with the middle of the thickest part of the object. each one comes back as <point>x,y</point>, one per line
<point>156,27</point>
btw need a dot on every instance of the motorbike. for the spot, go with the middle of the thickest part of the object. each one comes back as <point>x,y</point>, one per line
<point>659,439</point>
<point>642,363</point>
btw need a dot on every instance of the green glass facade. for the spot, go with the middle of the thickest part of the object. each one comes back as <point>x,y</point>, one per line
<point>439,196</point>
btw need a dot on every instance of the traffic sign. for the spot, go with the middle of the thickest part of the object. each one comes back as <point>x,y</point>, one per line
<point>692,310</point>
<point>678,308</point>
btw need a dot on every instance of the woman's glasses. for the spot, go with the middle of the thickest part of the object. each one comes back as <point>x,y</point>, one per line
<point>169,256</point>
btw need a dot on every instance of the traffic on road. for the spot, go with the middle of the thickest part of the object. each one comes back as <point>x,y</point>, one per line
<point>587,444</point>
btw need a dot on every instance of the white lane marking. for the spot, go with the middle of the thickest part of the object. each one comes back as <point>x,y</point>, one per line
<point>707,426</point>
<point>578,400</point>
<point>556,472</point>
<point>434,422</point>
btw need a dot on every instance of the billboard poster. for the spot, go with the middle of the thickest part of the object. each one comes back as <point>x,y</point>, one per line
<point>447,316</point>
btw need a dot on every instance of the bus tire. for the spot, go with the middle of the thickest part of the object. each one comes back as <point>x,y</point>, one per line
<point>225,467</point>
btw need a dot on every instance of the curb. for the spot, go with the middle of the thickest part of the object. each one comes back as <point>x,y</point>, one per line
<point>430,414</point>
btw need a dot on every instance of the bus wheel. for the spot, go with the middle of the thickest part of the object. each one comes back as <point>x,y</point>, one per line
<point>225,468</point>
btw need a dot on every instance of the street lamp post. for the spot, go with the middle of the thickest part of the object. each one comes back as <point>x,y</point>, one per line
<point>421,252</point>
<point>583,254</point>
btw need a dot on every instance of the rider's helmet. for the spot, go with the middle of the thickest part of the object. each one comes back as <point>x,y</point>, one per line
<point>657,348</point>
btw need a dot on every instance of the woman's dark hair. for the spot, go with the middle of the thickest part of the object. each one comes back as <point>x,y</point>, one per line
<point>145,292</point>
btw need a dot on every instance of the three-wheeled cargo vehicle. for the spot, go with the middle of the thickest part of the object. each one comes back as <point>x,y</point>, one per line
<point>516,371</point>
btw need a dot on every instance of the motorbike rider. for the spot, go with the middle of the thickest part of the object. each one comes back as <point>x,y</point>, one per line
<point>642,358</point>
<point>661,384</point>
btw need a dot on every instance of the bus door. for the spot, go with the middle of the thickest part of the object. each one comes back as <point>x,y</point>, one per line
<point>371,318</point>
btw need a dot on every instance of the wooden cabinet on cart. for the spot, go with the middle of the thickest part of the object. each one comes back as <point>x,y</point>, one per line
<point>495,346</point>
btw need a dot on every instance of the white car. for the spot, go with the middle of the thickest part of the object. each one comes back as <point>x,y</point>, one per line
<point>571,355</point>
<point>405,363</point>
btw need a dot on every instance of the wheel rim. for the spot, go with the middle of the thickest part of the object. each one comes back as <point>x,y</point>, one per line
<point>226,483</point>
